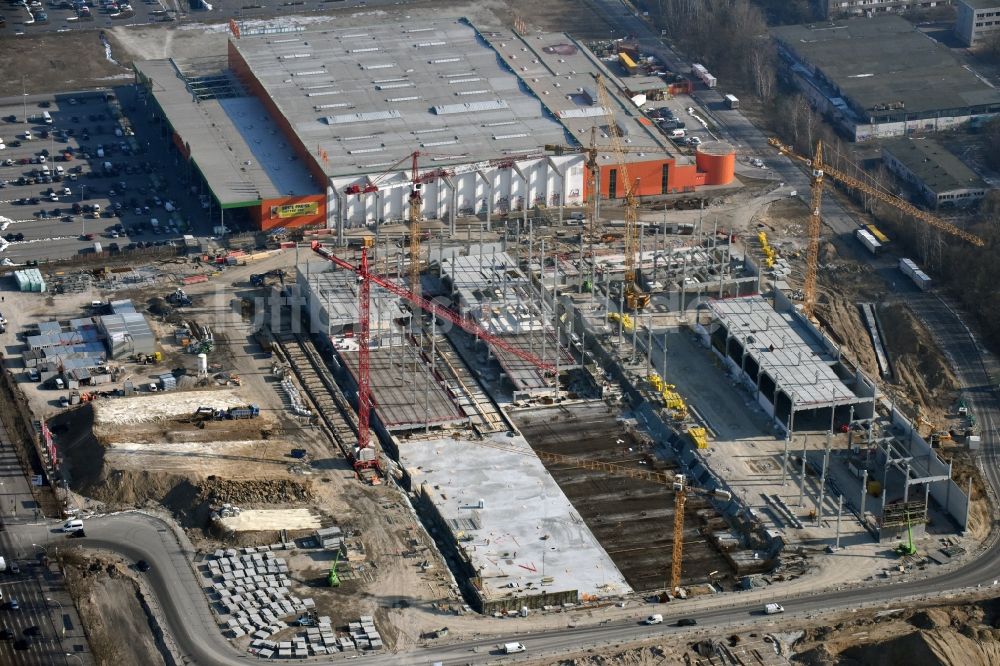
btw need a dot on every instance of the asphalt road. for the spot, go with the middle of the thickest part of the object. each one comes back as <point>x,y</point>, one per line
<point>38,589</point>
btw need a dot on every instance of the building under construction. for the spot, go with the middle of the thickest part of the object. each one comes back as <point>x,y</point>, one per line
<point>792,370</point>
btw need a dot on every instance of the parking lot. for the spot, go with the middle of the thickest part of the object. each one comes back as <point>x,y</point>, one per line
<point>65,15</point>
<point>94,171</point>
<point>33,16</point>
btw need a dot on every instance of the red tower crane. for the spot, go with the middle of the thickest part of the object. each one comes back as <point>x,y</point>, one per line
<point>363,459</point>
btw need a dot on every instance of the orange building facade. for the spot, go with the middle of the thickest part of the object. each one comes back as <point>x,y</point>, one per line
<point>291,211</point>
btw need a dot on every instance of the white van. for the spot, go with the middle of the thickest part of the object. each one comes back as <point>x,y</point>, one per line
<point>773,609</point>
<point>73,525</point>
<point>46,117</point>
<point>677,134</point>
<point>654,619</point>
<point>512,648</point>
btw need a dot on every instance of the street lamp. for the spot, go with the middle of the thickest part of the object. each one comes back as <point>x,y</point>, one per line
<point>56,601</point>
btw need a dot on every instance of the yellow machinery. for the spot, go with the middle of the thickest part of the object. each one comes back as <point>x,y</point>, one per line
<point>677,482</point>
<point>819,172</point>
<point>635,298</point>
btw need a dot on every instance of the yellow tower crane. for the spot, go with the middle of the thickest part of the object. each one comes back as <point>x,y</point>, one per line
<point>677,482</point>
<point>819,173</point>
<point>635,298</point>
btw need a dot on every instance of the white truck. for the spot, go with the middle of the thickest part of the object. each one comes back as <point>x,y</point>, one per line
<point>654,619</point>
<point>773,609</point>
<point>513,648</point>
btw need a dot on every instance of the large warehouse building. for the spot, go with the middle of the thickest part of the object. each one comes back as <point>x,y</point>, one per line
<point>318,125</point>
<point>881,77</point>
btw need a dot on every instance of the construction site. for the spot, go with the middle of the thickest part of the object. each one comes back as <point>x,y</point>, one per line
<point>524,408</point>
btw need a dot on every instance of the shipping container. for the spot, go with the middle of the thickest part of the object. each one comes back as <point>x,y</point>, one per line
<point>704,75</point>
<point>627,63</point>
<point>869,241</point>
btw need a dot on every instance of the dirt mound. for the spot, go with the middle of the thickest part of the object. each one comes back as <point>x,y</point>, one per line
<point>937,647</point>
<point>841,319</point>
<point>922,371</point>
<point>818,656</point>
<point>111,605</point>
<point>932,618</point>
<point>246,493</point>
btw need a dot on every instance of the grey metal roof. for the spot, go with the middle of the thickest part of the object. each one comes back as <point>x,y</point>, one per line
<point>235,143</point>
<point>785,350</point>
<point>886,60</point>
<point>933,165</point>
<point>362,100</point>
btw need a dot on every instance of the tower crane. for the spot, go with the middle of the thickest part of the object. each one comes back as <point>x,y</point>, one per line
<point>678,483</point>
<point>364,457</point>
<point>634,297</point>
<point>817,177</point>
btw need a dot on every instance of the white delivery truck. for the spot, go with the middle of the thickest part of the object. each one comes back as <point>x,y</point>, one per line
<point>513,648</point>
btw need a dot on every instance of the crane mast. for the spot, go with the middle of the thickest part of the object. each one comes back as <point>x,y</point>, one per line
<point>416,211</point>
<point>635,299</point>
<point>820,172</point>
<point>815,226</point>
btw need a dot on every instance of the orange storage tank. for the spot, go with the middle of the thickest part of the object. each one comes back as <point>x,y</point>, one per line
<point>717,159</point>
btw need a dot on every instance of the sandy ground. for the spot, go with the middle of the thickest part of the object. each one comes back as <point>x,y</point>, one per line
<point>251,520</point>
<point>52,62</point>
<point>145,408</point>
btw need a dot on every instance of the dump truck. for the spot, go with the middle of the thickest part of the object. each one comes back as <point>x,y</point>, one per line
<point>247,412</point>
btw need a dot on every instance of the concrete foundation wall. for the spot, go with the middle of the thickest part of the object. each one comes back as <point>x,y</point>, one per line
<point>946,493</point>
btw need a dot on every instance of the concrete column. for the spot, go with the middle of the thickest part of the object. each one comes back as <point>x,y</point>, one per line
<point>906,485</point>
<point>864,495</point>
<point>802,477</point>
<point>453,184</point>
<point>621,318</point>
<point>927,497</point>
<point>562,186</point>
<point>822,479</point>
<point>885,478</point>
<point>784,459</point>
<point>840,514</point>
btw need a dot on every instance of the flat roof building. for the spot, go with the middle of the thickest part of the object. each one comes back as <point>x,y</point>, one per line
<point>790,366</point>
<point>942,179</point>
<point>316,124</point>
<point>844,8</point>
<point>881,77</point>
<point>976,21</point>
